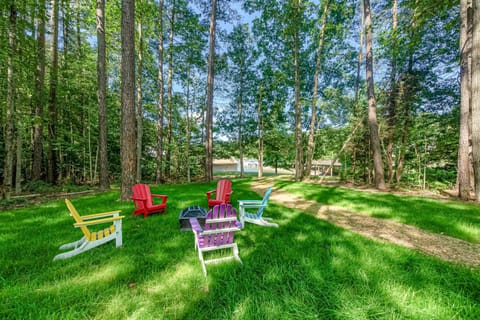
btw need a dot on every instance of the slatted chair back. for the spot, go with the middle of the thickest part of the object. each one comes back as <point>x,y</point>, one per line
<point>140,193</point>
<point>224,188</point>
<point>219,226</point>
<point>78,219</point>
<point>264,202</point>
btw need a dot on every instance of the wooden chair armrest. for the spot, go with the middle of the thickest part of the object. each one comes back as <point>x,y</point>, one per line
<point>160,196</point>
<point>253,205</point>
<point>209,193</point>
<point>99,215</point>
<point>99,221</point>
<point>240,202</point>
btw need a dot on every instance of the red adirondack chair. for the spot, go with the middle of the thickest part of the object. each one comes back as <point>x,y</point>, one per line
<point>222,193</point>
<point>143,200</point>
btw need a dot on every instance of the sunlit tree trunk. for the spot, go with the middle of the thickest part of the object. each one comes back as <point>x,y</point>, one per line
<point>128,131</point>
<point>260,133</point>
<point>311,136</point>
<point>372,104</point>
<point>102,97</point>
<point>159,171</point>
<point>463,170</point>
<point>139,106</point>
<point>170,93</point>
<point>476,97</point>
<point>209,100</point>
<point>52,172</point>
<point>298,106</point>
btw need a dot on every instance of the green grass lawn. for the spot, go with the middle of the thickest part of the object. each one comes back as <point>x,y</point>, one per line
<point>305,269</point>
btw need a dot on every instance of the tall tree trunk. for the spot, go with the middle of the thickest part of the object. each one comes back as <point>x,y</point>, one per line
<point>463,171</point>
<point>52,172</point>
<point>240,141</point>
<point>298,106</point>
<point>128,131</point>
<point>159,171</point>
<point>170,93</point>
<point>476,97</point>
<point>311,136</point>
<point>260,132</point>
<point>188,125</point>
<point>209,100</point>
<point>18,161</point>
<point>372,104</point>
<point>357,90</point>
<point>10,114</point>
<point>38,96</point>
<point>102,97</point>
<point>139,106</point>
<point>392,97</point>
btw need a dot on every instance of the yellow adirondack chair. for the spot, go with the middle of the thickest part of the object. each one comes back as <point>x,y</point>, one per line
<point>92,239</point>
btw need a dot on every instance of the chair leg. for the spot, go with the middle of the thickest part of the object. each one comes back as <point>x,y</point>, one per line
<point>74,244</point>
<point>118,233</point>
<point>202,261</point>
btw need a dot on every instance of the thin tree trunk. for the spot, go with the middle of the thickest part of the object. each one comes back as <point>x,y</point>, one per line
<point>463,170</point>
<point>139,106</point>
<point>260,133</point>
<point>209,100</point>
<point>38,96</point>
<point>102,97</point>
<point>128,131</point>
<point>18,162</point>
<point>170,93</point>
<point>372,104</point>
<point>188,126</point>
<point>10,116</point>
<point>52,173</point>
<point>298,106</point>
<point>392,97</point>
<point>311,136</point>
<point>159,172</point>
<point>240,142</point>
<point>476,97</point>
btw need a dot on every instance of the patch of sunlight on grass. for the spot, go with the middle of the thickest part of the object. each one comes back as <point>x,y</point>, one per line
<point>470,229</point>
<point>106,274</point>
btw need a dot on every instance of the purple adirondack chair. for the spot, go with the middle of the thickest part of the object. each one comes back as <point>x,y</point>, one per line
<point>217,233</point>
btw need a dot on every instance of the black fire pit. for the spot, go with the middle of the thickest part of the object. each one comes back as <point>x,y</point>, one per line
<point>191,212</point>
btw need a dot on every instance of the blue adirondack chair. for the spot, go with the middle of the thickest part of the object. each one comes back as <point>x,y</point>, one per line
<point>217,234</point>
<point>252,216</point>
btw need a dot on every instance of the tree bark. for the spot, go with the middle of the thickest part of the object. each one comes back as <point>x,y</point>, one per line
<point>102,97</point>
<point>372,104</point>
<point>159,171</point>
<point>168,164</point>
<point>392,97</point>
<point>38,96</point>
<point>298,106</point>
<point>260,133</point>
<point>139,106</point>
<point>463,170</point>
<point>476,97</point>
<point>128,131</point>
<point>311,136</point>
<point>10,114</point>
<point>209,100</point>
<point>52,172</point>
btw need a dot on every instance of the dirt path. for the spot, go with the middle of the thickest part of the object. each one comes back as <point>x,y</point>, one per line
<point>444,247</point>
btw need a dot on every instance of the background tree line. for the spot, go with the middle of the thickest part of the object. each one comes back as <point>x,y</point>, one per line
<point>153,90</point>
